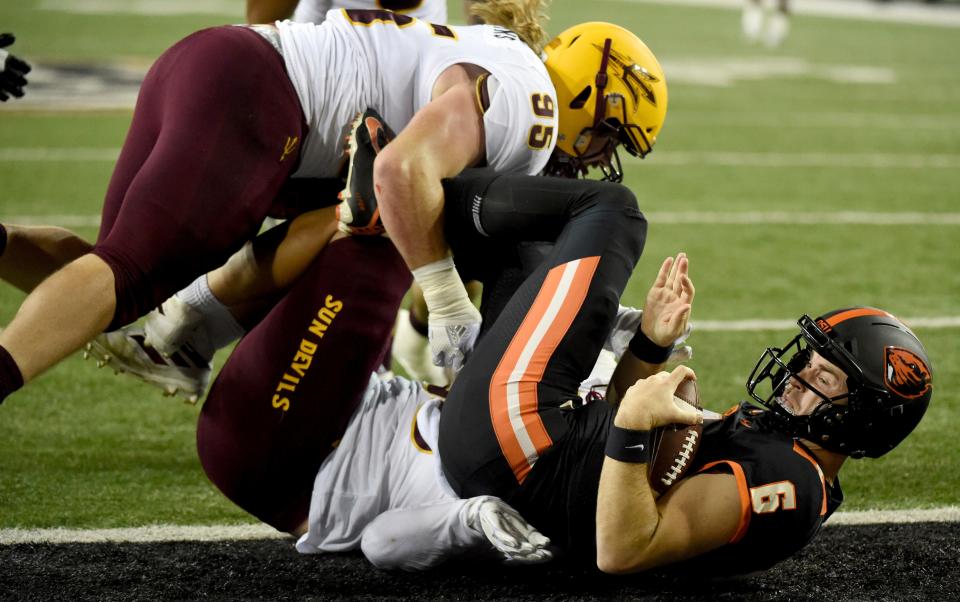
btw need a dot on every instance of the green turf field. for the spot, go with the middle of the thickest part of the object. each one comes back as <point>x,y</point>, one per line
<point>847,116</point>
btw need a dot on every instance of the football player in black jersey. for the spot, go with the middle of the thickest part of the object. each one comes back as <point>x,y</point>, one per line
<point>852,383</point>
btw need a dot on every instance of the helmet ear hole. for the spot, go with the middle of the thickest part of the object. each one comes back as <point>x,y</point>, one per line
<point>581,98</point>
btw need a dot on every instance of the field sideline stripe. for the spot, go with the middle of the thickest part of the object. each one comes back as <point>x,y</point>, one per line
<point>661,158</point>
<point>163,533</point>
<point>743,218</point>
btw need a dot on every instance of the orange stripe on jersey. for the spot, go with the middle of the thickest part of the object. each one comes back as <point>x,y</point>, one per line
<point>855,313</point>
<point>823,483</point>
<point>745,504</point>
<point>513,387</point>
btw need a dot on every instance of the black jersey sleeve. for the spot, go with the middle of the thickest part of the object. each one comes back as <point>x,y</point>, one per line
<point>784,497</point>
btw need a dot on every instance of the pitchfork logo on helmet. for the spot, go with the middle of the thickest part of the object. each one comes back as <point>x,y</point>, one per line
<point>888,377</point>
<point>611,92</point>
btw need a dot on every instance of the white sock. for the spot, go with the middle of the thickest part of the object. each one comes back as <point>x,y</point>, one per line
<point>221,327</point>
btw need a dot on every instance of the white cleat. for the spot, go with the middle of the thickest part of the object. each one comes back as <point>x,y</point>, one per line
<point>186,372</point>
<point>412,351</point>
<point>173,325</point>
<point>752,21</point>
<point>778,26</point>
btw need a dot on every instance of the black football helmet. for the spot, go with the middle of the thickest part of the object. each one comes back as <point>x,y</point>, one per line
<point>889,381</point>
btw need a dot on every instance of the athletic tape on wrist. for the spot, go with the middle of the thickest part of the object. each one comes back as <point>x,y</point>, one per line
<point>627,445</point>
<point>646,350</point>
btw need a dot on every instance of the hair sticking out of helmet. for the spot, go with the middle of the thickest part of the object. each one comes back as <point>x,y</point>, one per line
<point>611,92</point>
<point>524,17</point>
<point>889,381</point>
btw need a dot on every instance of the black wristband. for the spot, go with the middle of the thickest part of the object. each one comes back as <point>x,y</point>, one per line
<point>627,445</point>
<point>646,350</point>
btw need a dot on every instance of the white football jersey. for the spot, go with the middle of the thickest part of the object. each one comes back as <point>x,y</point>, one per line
<point>315,11</point>
<point>390,62</point>
<point>385,461</point>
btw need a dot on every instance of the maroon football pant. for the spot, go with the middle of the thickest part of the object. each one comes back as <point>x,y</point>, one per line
<point>284,397</point>
<point>216,131</point>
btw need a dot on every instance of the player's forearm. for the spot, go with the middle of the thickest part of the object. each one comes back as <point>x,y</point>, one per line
<point>627,517</point>
<point>274,260</point>
<point>268,11</point>
<point>410,198</point>
<point>629,370</point>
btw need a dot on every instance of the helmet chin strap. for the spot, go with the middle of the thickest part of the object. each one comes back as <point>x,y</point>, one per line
<point>600,112</point>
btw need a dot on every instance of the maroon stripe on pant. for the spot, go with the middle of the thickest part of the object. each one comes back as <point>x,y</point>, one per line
<point>216,131</point>
<point>285,395</point>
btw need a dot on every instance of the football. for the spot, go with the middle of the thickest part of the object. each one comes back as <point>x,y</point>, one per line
<point>675,445</point>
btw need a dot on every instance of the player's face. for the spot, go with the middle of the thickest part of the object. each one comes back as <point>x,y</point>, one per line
<point>825,377</point>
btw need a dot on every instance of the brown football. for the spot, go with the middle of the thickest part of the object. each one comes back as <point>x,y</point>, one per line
<point>675,445</point>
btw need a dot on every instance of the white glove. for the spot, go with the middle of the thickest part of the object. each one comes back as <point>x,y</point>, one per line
<point>507,532</point>
<point>450,344</point>
<point>454,322</point>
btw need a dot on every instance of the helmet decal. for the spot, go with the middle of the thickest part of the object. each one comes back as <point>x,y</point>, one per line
<point>905,373</point>
<point>824,325</point>
<point>633,77</point>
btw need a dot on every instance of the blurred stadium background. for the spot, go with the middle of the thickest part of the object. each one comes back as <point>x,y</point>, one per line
<point>819,174</point>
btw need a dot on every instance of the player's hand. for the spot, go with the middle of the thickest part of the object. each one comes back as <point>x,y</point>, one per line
<point>12,70</point>
<point>626,324</point>
<point>451,341</point>
<point>650,402</point>
<point>507,531</point>
<point>667,309</point>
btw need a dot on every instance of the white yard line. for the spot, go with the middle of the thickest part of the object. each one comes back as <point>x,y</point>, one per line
<point>799,160</point>
<point>661,158</point>
<point>717,218</point>
<point>163,533</point>
<point>819,218</point>
<point>146,7</point>
<point>757,325</point>
<point>53,155</point>
<point>811,120</point>
<point>913,13</point>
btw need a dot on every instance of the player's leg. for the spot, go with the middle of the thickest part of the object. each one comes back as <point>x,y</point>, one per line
<point>201,165</point>
<point>504,409</point>
<point>283,398</point>
<point>216,166</point>
<point>29,254</point>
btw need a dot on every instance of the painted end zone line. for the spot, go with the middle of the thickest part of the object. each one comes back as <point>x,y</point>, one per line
<point>166,533</point>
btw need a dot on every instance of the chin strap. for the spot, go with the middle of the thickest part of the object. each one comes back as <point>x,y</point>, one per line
<point>600,111</point>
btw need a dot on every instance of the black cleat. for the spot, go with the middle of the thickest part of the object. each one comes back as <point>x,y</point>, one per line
<point>358,212</point>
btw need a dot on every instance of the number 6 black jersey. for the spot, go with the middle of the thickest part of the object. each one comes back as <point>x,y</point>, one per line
<point>784,498</point>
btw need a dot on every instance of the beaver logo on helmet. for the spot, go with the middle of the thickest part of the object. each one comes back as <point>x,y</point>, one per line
<point>905,373</point>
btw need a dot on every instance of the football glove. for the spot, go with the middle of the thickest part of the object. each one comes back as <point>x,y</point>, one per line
<point>452,341</point>
<point>12,70</point>
<point>508,533</point>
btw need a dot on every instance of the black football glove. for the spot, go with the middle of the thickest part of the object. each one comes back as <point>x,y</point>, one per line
<point>12,70</point>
